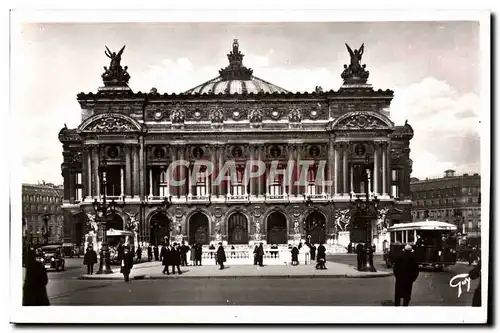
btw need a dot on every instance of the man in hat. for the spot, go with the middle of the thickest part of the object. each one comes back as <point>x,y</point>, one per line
<point>405,272</point>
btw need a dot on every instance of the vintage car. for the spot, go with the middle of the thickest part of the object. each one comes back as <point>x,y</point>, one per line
<point>70,250</point>
<point>52,256</point>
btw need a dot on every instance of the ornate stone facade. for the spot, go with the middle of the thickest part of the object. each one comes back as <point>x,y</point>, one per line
<point>342,136</point>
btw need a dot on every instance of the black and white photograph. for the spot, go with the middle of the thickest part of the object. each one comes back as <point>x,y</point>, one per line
<point>223,168</point>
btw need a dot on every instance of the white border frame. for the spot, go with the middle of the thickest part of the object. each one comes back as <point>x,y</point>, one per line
<point>237,314</point>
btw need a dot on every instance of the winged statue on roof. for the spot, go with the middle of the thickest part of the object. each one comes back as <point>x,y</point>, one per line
<point>356,55</point>
<point>115,58</point>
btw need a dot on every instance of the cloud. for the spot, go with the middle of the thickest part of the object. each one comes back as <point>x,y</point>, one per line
<point>446,125</point>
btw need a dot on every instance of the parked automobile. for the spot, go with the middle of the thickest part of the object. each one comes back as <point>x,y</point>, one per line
<point>52,256</point>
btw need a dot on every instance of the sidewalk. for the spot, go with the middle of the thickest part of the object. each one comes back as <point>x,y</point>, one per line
<point>153,270</point>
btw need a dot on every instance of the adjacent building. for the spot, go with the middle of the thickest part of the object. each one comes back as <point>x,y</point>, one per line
<point>42,213</point>
<point>453,198</point>
<point>345,137</point>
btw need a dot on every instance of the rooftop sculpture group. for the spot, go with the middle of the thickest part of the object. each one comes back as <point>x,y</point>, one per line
<point>355,72</point>
<point>115,75</point>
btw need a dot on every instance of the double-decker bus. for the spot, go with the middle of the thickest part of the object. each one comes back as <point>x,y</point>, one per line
<point>434,243</point>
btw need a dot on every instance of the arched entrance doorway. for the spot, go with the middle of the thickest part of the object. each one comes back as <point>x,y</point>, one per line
<point>316,228</point>
<point>198,229</point>
<point>159,229</point>
<point>237,229</point>
<point>115,222</point>
<point>276,228</point>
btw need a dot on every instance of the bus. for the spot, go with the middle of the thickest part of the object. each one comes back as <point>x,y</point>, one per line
<point>434,243</point>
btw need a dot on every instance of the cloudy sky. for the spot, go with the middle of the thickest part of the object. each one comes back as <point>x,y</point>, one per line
<point>433,67</point>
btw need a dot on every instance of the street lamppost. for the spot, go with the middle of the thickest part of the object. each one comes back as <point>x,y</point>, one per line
<point>101,211</point>
<point>45,218</point>
<point>366,209</point>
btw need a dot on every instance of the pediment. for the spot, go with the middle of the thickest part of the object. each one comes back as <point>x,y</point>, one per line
<point>110,123</point>
<point>362,120</point>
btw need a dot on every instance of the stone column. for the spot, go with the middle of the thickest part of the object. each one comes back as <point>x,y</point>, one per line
<point>220,151</point>
<point>182,174</point>
<point>173,157</point>
<point>71,184</point>
<point>376,168</point>
<point>122,182</point>
<point>213,152</point>
<point>95,171</point>
<point>136,183</point>
<point>150,181</point>
<point>384,168</point>
<point>351,170</point>
<point>297,168</point>
<point>337,169</point>
<point>128,173</point>
<point>262,178</point>
<point>345,170</point>
<point>252,180</point>
<point>142,168</point>
<point>86,172</point>
<point>330,166</point>
<point>289,177</point>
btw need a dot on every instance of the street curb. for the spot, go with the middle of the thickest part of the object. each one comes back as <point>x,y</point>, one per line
<point>165,277</point>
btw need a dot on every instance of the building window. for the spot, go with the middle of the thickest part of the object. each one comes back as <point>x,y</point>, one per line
<point>311,178</point>
<point>238,188</point>
<point>164,184</point>
<point>395,183</point>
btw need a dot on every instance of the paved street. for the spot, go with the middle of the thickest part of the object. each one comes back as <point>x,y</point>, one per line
<point>430,289</point>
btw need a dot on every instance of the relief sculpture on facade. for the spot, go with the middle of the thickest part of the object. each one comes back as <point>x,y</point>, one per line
<point>343,219</point>
<point>111,124</point>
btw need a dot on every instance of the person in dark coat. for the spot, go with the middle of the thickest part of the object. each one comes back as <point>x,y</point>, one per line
<point>255,255</point>
<point>212,247</point>
<point>473,256</point>
<point>175,258</point>
<point>475,273</point>
<point>89,259</point>
<point>156,253</point>
<point>405,272</point>
<point>35,282</point>
<point>349,248</point>
<point>295,256</point>
<point>150,253</point>
<point>221,256</point>
<point>360,255</point>
<point>198,253</point>
<point>166,258</point>
<point>163,256</point>
<point>184,250</point>
<point>312,251</point>
<point>260,255</point>
<point>138,253</point>
<point>321,258</point>
<point>127,263</point>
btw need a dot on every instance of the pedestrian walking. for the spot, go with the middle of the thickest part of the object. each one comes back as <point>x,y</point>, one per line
<point>35,282</point>
<point>260,255</point>
<point>295,256</point>
<point>192,254</point>
<point>175,261</point>
<point>150,253</point>
<point>473,256</point>
<point>127,263</point>
<point>138,253</point>
<point>360,255</point>
<point>255,255</point>
<point>312,251</point>
<point>89,259</point>
<point>156,253</point>
<point>321,258</point>
<point>233,254</point>
<point>405,272</point>
<point>475,273</point>
<point>166,256</point>
<point>184,249</point>
<point>221,256</point>
<point>198,254</point>
<point>212,250</point>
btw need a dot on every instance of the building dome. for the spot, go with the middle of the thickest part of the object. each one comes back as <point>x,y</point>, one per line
<point>236,78</point>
